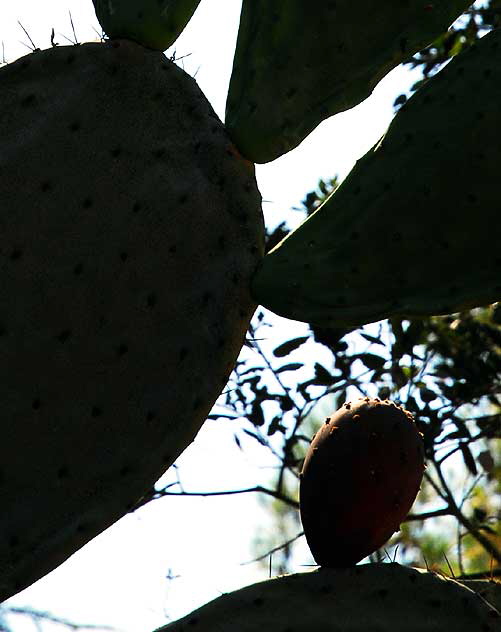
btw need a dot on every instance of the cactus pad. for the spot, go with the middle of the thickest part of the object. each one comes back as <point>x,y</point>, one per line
<point>155,24</point>
<point>379,597</point>
<point>488,589</point>
<point>130,227</point>
<point>297,62</point>
<point>360,477</point>
<point>414,230</point>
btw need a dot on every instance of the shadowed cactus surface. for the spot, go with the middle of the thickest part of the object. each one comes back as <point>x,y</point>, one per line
<point>130,228</point>
<point>414,228</point>
<point>155,24</point>
<point>382,597</point>
<point>360,477</point>
<point>297,63</point>
<point>488,589</point>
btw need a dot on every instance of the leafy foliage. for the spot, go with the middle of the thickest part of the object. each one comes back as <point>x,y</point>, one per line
<point>446,370</point>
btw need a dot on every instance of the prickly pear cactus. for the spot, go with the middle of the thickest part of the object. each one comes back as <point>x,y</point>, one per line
<point>360,477</point>
<point>414,229</point>
<point>130,228</point>
<point>382,597</point>
<point>155,24</point>
<point>488,589</point>
<point>297,62</point>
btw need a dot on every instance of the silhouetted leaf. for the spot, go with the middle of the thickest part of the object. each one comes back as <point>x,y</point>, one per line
<point>490,425</point>
<point>276,426</point>
<point>384,392</point>
<point>289,346</point>
<point>373,339</point>
<point>486,461</point>
<point>255,436</point>
<point>286,402</point>
<point>293,366</point>
<point>479,514</point>
<point>427,395</point>
<point>468,459</point>
<point>256,416</point>
<point>372,361</point>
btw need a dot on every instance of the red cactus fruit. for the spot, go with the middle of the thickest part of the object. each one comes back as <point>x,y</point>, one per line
<point>360,477</point>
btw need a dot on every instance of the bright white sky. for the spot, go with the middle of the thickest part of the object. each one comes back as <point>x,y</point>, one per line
<point>119,578</point>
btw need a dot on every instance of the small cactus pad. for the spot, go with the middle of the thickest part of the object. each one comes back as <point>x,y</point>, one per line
<point>155,24</point>
<point>130,228</point>
<point>360,477</point>
<point>297,63</point>
<point>415,228</point>
<point>369,597</point>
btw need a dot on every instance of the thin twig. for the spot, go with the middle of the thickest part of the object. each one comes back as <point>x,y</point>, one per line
<point>429,514</point>
<point>47,616</point>
<point>274,550</point>
<point>461,518</point>
<point>258,489</point>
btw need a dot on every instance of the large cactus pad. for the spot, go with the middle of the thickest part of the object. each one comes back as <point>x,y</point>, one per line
<point>299,62</point>
<point>385,597</point>
<point>130,228</point>
<point>152,23</point>
<point>415,229</point>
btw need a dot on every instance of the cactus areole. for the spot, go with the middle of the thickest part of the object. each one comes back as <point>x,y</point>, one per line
<point>130,228</point>
<point>360,477</point>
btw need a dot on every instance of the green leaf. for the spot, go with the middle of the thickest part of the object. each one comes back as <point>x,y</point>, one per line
<point>257,417</point>
<point>322,376</point>
<point>372,361</point>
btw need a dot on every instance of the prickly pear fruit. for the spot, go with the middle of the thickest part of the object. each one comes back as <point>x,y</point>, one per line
<point>383,597</point>
<point>130,228</point>
<point>297,63</point>
<point>360,477</point>
<point>414,230</point>
<point>155,24</point>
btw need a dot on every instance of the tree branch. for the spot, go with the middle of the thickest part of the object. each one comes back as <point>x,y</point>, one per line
<point>274,550</point>
<point>429,514</point>
<point>263,490</point>
<point>461,518</point>
<point>40,615</point>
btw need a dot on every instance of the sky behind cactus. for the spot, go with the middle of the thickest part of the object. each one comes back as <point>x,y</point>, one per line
<point>119,578</point>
